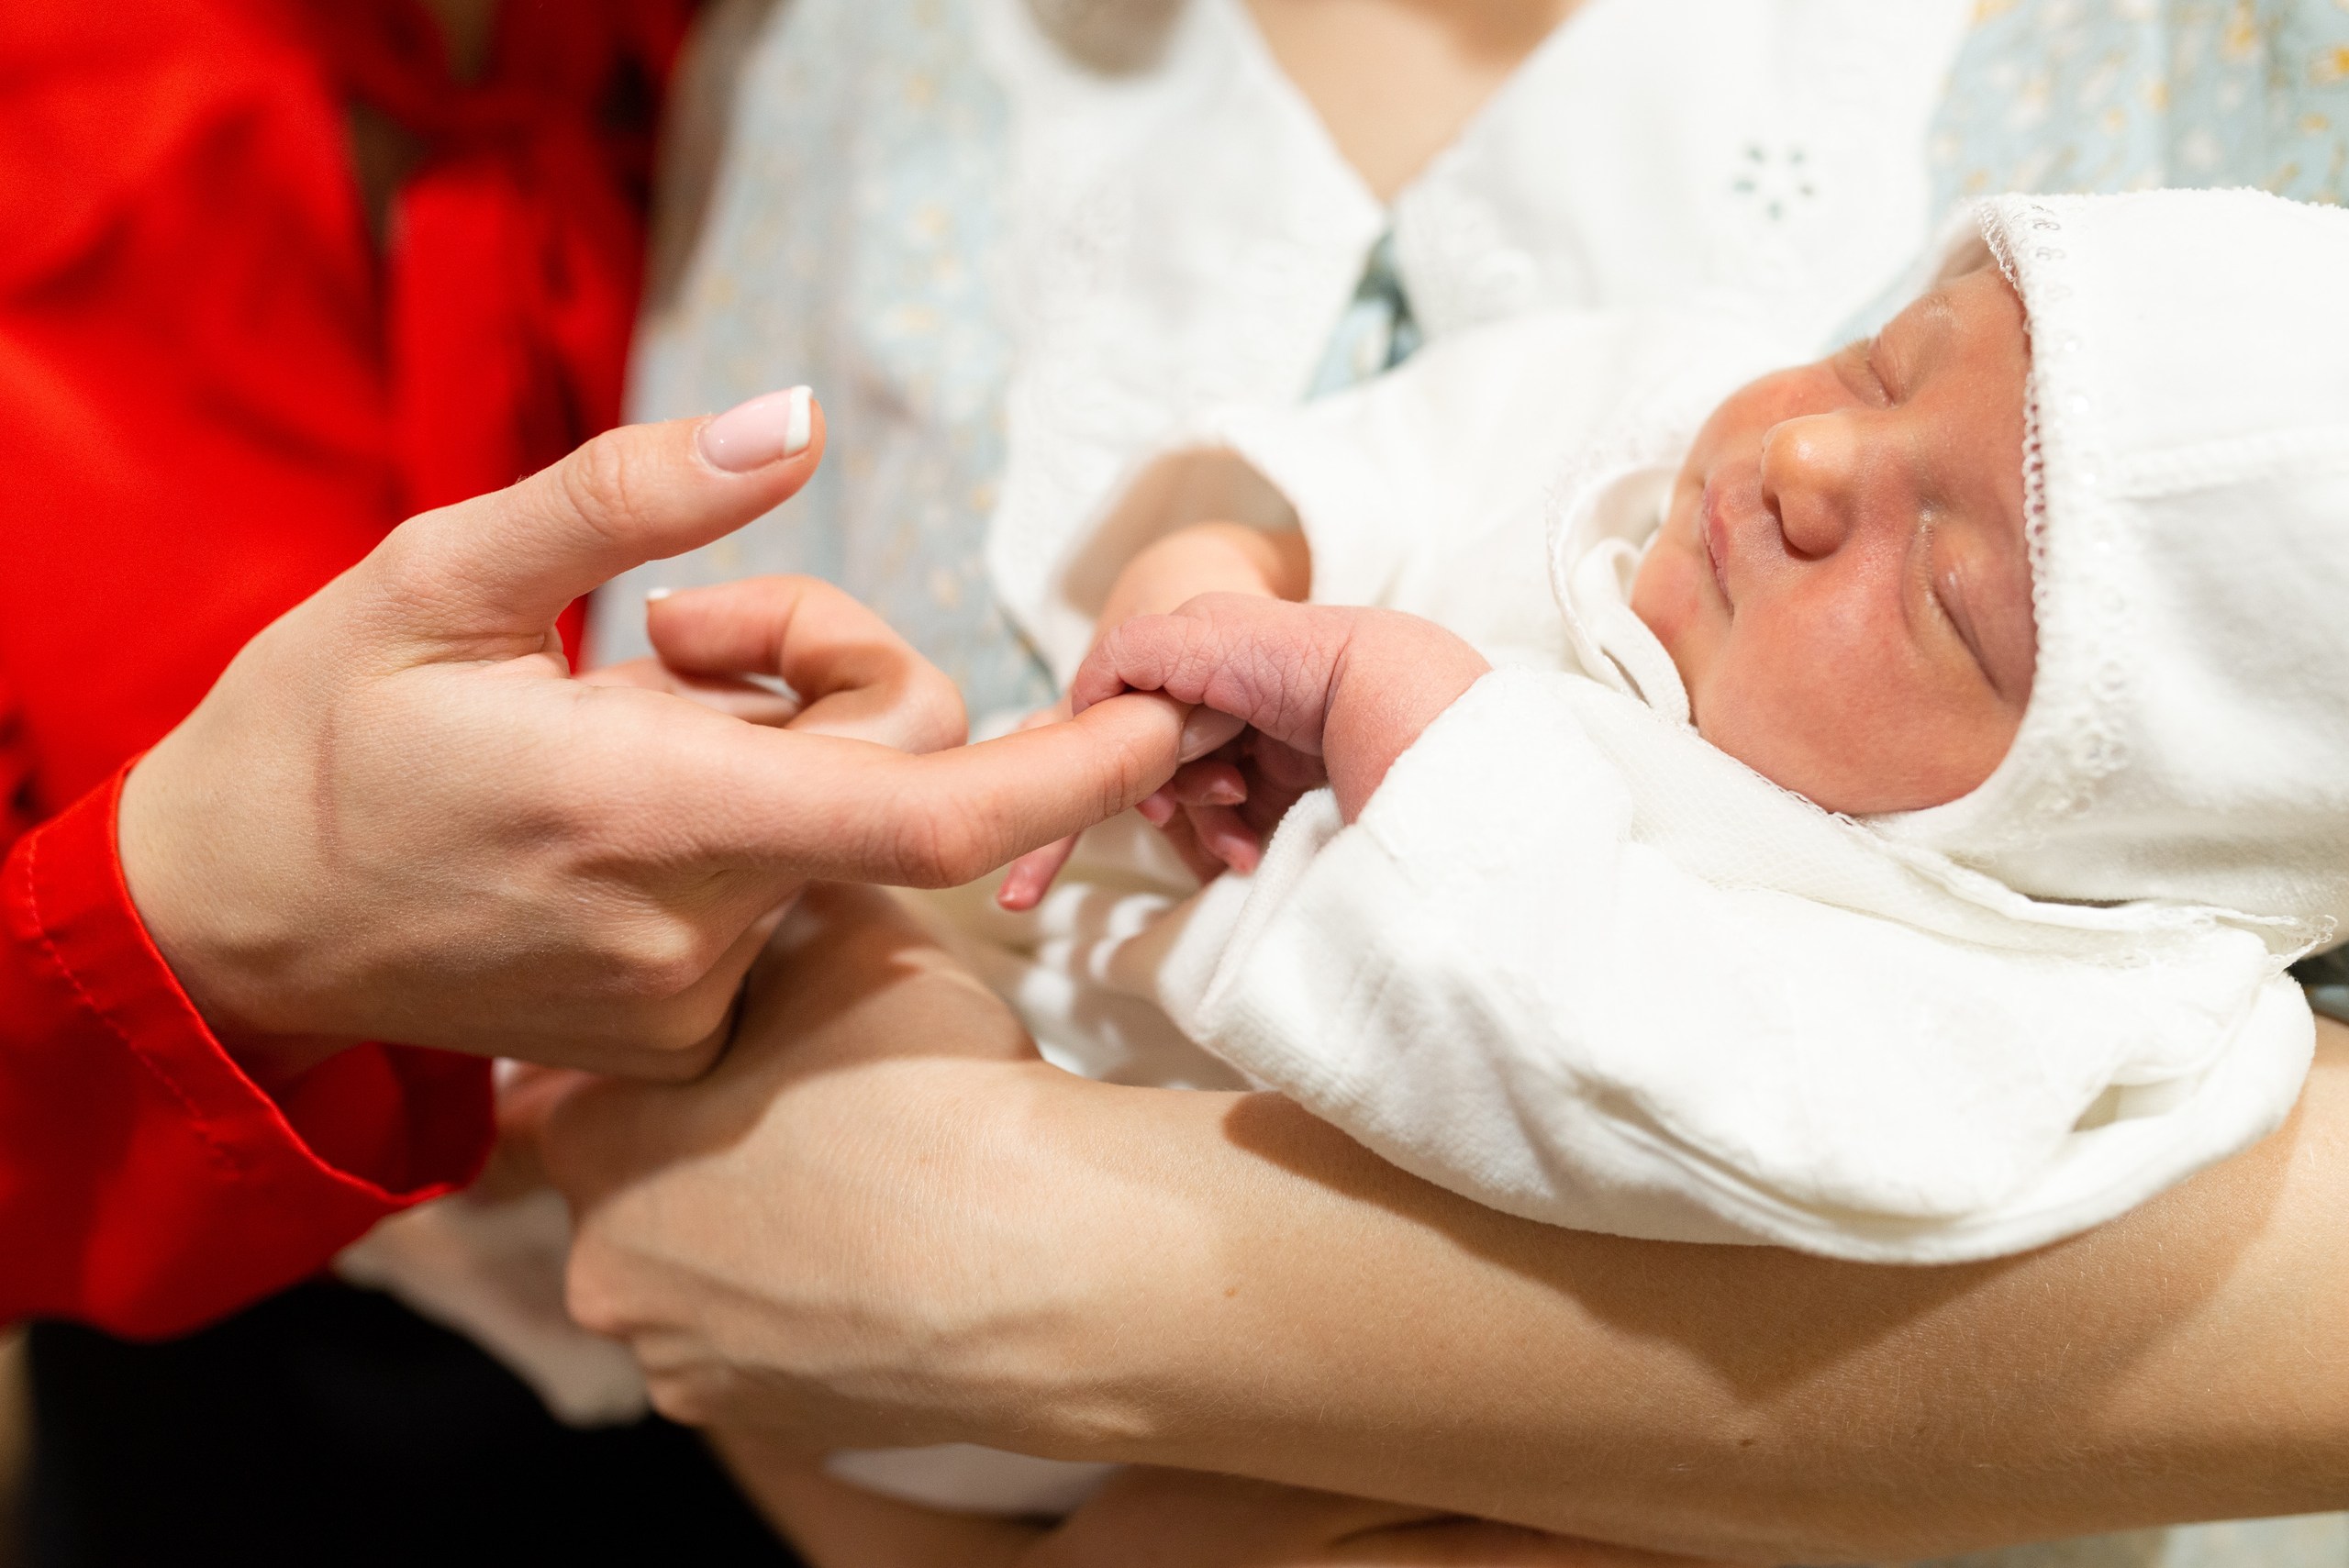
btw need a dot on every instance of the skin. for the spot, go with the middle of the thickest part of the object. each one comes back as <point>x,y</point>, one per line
<point>1842,580</point>
<point>881,1221</point>
<point>1395,82</point>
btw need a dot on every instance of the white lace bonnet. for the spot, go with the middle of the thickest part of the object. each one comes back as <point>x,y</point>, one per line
<point>2187,733</point>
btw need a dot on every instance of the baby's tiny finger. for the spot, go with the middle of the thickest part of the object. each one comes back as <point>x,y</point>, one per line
<point>1030,876</point>
<point>1188,849</point>
<point>1210,781</point>
<point>1207,731</point>
<point>1158,809</point>
<point>1223,834</point>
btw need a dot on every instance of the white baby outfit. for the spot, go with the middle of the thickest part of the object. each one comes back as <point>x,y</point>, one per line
<point>1577,965</point>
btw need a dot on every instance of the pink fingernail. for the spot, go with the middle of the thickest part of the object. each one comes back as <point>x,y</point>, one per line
<point>766,429</point>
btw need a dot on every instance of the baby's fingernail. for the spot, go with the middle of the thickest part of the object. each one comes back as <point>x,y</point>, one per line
<point>766,429</point>
<point>1204,731</point>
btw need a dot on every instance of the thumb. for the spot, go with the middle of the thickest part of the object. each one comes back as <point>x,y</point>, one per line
<point>488,577</point>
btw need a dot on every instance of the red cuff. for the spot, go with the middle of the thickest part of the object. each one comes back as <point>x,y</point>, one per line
<point>147,1183</point>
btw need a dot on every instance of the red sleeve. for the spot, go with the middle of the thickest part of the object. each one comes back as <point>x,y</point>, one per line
<point>145,1183</point>
<point>192,383</point>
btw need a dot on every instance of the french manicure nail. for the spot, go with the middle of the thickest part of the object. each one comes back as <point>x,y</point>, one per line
<point>766,430</point>
<point>654,595</point>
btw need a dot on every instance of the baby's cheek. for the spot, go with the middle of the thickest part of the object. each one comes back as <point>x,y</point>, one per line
<point>1667,595</point>
<point>1849,729</point>
<point>1800,698</point>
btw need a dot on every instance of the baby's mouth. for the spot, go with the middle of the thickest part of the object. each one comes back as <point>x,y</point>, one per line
<point>1714,526</point>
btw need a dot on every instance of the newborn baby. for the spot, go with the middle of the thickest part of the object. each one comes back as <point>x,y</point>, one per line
<point>1817,876</point>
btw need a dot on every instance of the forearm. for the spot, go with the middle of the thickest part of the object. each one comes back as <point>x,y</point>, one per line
<point>1278,1302</point>
<point>1210,558</point>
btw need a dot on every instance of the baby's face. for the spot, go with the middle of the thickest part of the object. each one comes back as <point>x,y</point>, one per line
<point>1842,580</point>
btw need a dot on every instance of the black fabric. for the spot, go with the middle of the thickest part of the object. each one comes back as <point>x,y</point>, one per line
<point>331,1426</point>
<point>2327,979</point>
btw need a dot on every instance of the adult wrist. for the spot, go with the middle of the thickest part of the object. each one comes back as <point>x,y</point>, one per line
<point>177,910</point>
<point>144,843</point>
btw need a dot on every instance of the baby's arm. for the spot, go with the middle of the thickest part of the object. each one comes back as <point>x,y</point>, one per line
<point>1354,687</point>
<point>1208,558</point>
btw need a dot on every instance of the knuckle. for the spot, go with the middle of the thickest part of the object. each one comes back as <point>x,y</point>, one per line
<point>940,845</point>
<point>938,718</point>
<point>591,1290</point>
<point>687,1042</point>
<point>663,961</point>
<point>603,483</point>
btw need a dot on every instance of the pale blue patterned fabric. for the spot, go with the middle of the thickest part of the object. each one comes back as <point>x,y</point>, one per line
<point>863,187</point>
<point>2122,94</point>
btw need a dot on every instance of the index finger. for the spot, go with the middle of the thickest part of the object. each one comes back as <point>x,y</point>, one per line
<point>844,810</point>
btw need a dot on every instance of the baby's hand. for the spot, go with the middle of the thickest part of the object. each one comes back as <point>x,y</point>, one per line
<point>1287,696</point>
<point>1210,816</point>
<point>1352,687</point>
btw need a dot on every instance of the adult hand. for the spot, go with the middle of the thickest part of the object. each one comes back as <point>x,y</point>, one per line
<point>397,818</point>
<point>856,1019</point>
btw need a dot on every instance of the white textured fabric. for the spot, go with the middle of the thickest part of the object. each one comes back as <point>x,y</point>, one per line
<point>2188,735</point>
<point>1577,965</point>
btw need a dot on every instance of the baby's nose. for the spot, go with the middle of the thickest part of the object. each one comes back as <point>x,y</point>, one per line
<point>1810,472</point>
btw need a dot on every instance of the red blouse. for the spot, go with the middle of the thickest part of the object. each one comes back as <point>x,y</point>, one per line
<point>216,395</point>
